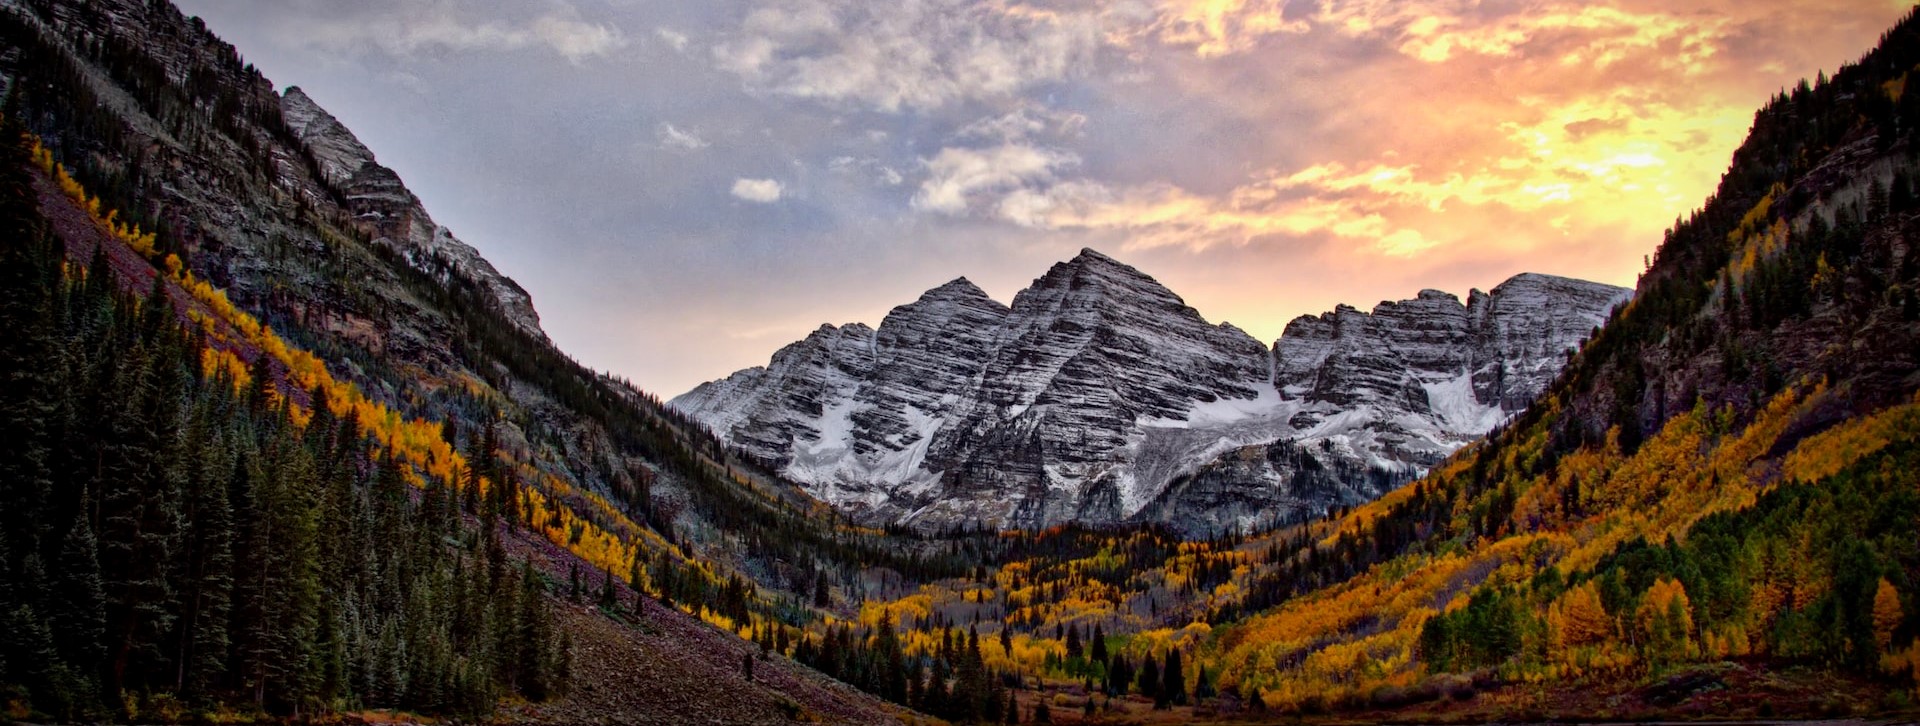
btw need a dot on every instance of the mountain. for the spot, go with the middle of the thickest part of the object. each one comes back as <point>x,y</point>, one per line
<point>1099,396</point>
<point>375,195</point>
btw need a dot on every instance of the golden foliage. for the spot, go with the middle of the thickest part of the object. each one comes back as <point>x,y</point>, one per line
<point>216,363</point>
<point>1825,454</point>
<point>1579,618</point>
<point>419,443</point>
<point>1665,620</point>
<point>1886,613</point>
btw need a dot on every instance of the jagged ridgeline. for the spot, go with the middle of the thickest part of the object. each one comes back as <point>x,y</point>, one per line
<point>1100,398</point>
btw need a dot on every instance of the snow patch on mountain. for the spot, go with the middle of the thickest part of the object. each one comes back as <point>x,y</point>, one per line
<point>1100,396</point>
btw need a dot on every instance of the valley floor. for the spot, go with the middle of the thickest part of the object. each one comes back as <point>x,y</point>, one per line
<point>1743,693</point>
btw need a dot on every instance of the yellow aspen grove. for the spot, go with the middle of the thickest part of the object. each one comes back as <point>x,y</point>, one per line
<point>1886,614</point>
<point>1579,618</point>
<point>1665,620</point>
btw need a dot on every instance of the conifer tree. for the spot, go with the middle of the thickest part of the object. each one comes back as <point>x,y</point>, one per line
<point>76,606</point>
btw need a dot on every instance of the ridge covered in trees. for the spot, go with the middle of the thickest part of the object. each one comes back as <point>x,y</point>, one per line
<point>176,535</point>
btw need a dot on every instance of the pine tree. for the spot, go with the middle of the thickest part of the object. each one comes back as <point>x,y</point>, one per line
<point>29,362</point>
<point>1149,679</point>
<point>138,513</point>
<point>76,606</point>
<point>609,597</point>
<point>207,562</point>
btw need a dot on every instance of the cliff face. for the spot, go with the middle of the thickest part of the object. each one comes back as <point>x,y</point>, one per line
<point>1099,396</point>
<point>1379,396</point>
<point>375,195</point>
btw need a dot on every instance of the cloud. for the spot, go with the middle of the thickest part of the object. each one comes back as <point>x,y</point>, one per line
<point>872,166</point>
<point>416,28</point>
<point>673,38</point>
<point>577,40</point>
<point>763,191</point>
<point>1023,122</point>
<point>957,178</point>
<point>1437,31</point>
<point>893,56</point>
<point>672,137</point>
<point>1220,27</point>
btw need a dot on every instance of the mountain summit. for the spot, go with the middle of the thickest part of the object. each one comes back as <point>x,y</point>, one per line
<point>1100,396</point>
<point>375,194</point>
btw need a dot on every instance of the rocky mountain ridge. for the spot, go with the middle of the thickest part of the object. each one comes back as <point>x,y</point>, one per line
<point>1098,395</point>
<point>375,194</point>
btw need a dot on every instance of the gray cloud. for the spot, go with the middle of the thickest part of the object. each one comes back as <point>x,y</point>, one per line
<point>911,54</point>
<point>406,29</point>
<point>673,137</point>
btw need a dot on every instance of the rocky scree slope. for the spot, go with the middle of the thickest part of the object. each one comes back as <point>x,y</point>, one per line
<point>1099,396</point>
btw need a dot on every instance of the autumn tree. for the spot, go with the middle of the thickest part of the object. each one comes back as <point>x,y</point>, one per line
<point>1665,622</point>
<point>1579,617</point>
<point>1886,613</point>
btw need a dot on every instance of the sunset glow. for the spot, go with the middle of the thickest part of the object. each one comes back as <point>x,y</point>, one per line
<point>684,190</point>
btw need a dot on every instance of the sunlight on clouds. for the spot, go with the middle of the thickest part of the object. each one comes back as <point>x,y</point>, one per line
<point>958,176</point>
<point>1220,27</point>
<point>1635,173</point>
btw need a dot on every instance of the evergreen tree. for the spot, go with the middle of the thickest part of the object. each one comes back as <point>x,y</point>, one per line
<point>76,606</point>
<point>207,560</point>
<point>1173,684</point>
<point>1149,680</point>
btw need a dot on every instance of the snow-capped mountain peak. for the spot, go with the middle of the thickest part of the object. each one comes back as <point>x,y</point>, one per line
<point>1099,395</point>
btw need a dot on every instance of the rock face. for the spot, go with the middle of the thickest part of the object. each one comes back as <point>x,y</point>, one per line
<point>1099,396</point>
<point>1376,397</point>
<point>375,194</point>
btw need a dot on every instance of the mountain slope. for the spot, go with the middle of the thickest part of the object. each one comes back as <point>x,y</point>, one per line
<point>375,194</point>
<point>1099,397</point>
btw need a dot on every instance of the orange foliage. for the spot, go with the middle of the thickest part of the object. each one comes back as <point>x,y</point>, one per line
<point>215,363</point>
<point>1579,618</point>
<point>1886,613</point>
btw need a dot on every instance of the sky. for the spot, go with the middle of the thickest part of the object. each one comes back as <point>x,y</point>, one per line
<point>685,187</point>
